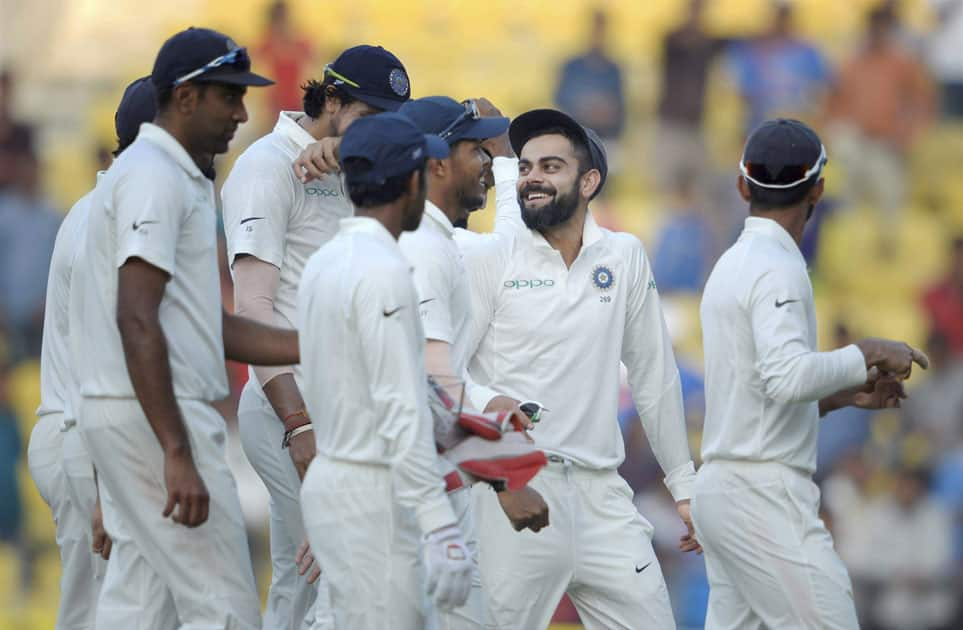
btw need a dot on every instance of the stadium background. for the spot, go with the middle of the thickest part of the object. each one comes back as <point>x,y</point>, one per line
<point>875,273</point>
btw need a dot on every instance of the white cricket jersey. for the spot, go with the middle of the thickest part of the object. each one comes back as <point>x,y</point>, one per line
<point>556,335</point>
<point>155,204</point>
<point>58,382</point>
<point>362,348</point>
<point>441,280</point>
<point>764,377</point>
<point>271,215</point>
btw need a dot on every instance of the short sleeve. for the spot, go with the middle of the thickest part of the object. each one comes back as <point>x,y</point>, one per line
<point>257,206</point>
<point>433,283</point>
<point>150,205</point>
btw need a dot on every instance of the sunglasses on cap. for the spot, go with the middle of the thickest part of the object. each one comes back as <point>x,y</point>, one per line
<point>471,113</point>
<point>787,177</point>
<point>237,58</point>
<point>340,77</point>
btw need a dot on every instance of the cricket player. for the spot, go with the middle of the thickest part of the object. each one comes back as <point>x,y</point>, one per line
<point>770,559</point>
<point>557,303</point>
<point>274,222</point>
<point>374,488</point>
<point>155,339</point>
<point>457,187</point>
<point>57,458</point>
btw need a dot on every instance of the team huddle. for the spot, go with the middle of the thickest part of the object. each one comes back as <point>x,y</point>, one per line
<point>432,410</point>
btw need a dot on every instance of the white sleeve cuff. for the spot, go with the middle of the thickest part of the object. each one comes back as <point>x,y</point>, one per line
<point>852,366</point>
<point>505,170</point>
<point>680,480</point>
<point>435,514</point>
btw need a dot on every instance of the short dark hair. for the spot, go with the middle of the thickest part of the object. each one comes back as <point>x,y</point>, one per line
<point>166,94</point>
<point>581,150</point>
<point>315,93</point>
<point>370,195</point>
<point>774,198</point>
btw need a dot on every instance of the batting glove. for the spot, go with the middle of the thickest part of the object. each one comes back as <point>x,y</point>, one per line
<point>449,566</point>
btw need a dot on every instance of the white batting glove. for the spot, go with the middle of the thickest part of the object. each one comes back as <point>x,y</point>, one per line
<point>449,567</point>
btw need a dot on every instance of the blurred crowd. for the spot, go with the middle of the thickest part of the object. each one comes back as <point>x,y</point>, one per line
<point>892,480</point>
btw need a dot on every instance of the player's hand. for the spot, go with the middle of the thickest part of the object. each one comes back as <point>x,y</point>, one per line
<point>524,508</point>
<point>101,542</point>
<point>185,490</point>
<point>498,146</point>
<point>449,567</point>
<point>506,403</point>
<point>317,160</point>
<point>307,565</point>
<point>688,541</point>
<point>892,357</point>
<point>881,391</point>
<point>302,450</point>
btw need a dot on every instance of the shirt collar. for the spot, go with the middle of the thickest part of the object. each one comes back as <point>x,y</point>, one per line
<point>370,226</point>
<point>169,144</point>
<point>435,214</point>
<point>591,233</point>
<point>772,229</point>
<point>288,127</point>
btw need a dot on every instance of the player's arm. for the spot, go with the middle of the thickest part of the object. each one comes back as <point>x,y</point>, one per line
<point>248,341</point>
<point>255,285</point>
<point>657,392</point>
<point>508,214</point>
<point>140,288</point>
<point>790,371</point>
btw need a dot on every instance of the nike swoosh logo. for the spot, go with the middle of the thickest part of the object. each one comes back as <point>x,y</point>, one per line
<point>137,225</point>
<point>638,570</point>
<point>426,301</point>
<point>783,303</point>
<point>243,221</point>
<point>388,313</point>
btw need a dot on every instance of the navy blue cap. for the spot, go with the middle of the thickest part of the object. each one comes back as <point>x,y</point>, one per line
<point>137,106</point>
<point>530,123</point>
<point>451,120</point>
<point>203,55</point>
<point>372,75</point>
<point>782,153</point>
<point>387,144</point>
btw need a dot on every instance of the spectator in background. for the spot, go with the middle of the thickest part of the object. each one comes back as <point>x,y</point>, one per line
<point>16,138</point>
<point>945,56</point>
<point>29,227</point>
<point>879,104</point>
<point>685,246</point>
<point>935,406</point>
<point>943,303</point>
<point>287,56</point>
<point>778,74</point>
<point>915,573</point>
<point>11,450</point>
<point>590,88</point>
<point>687,54</point>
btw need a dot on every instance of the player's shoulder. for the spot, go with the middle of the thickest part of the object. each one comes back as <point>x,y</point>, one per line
<point>146,166</point>
<point>487,249</point>
<point>265,158</point>
<point>624,243</point>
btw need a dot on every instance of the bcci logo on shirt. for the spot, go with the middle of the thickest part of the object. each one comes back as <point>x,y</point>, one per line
<point>602,278</point>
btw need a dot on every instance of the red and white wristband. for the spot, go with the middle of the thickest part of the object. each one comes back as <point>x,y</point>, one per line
<point>294,425</point>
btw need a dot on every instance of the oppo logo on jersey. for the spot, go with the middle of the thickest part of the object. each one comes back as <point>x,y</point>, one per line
<point>528,284</point>
<point>321,192</point>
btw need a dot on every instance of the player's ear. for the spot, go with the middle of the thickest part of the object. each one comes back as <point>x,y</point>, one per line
<point>185,97</point>
<point>436,168</point>
<point>590,183</point>
<point>816,193</point>
<point>332,104</point>
<point>743,188</point>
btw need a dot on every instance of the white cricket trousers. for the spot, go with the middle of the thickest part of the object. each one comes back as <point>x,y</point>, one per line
<point>369,546</point>
<point>473,615</point>
<point>597,548</point>
<point>292,603</point>
<point>161,574</point>
<point>769,558</point>
<point>71,500</point>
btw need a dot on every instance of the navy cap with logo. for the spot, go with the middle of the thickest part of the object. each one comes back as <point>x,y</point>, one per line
<point>385,145</point>
<point>203,55</point>
<point>137,106</point>
<point>372,75</point>
<point>782,153</point>
<point>533,122</point>
<point>451,120</point>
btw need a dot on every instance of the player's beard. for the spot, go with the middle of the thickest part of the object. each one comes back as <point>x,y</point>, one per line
<point>559,210</point>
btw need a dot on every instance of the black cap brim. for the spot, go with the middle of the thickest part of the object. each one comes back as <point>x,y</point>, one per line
<point>234,78</point>
<point>381,102</point>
